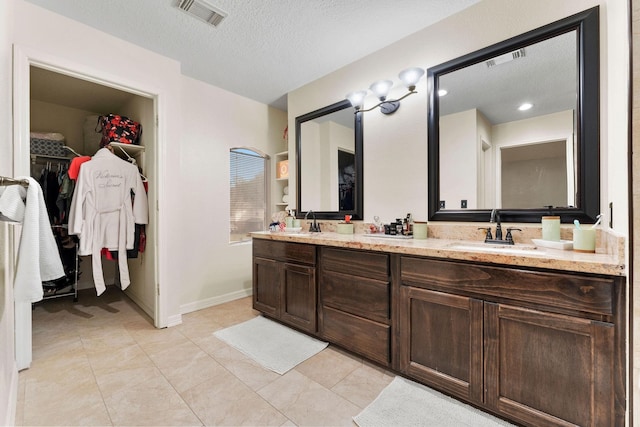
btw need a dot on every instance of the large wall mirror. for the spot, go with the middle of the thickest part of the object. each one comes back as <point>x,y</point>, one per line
<point>329,162</point>
<point>489,149</point>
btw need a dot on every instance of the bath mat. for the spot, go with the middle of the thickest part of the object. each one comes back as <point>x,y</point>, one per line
<point>271,344</point>
<point>406,403</point>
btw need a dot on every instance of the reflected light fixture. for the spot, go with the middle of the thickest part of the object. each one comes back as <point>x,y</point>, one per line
<point>526,106</point>
<point>380,89</point>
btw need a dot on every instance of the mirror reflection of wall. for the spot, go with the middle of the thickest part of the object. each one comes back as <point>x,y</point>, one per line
<point>322,174</point>
<point>534,175</point>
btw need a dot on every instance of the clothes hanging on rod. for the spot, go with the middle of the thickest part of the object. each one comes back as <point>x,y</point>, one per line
<point>51,172</point>
<point>38,258</point>
<point>57,190</point>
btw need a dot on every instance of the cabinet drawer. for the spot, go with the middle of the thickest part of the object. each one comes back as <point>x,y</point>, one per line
<point>362,336</point>
<point>373,265</point>
<point>565,291</point>
<point>285,251</point>
<point>364,297</point>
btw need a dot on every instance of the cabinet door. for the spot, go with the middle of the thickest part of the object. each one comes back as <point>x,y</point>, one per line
<point>266,286</point>
<point>547,369</point>
<point>299,297</point>
<point>441,341</point>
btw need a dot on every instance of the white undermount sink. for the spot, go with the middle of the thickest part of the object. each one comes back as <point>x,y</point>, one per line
<point>496,248</point>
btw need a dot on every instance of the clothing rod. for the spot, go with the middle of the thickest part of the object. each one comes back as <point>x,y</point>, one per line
<point>5,181</point>
<point>35,157</point>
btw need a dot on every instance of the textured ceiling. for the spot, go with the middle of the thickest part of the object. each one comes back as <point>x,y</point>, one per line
<point>263,49</point>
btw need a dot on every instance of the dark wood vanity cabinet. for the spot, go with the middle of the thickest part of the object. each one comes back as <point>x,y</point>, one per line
<point>540,348</point>
<point>284,282</point>
<point>354,308</point>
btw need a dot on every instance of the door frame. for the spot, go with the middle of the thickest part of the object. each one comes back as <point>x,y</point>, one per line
<point>23,59</point>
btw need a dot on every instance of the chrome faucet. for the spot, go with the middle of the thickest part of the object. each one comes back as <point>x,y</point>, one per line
<point>495,218</point>
<point>314,227</point>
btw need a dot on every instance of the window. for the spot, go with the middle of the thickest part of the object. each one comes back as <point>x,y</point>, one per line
<point>247,186</point>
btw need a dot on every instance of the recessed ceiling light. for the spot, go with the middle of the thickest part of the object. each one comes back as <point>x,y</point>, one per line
<point>524,107</point>
<point>442,92</point>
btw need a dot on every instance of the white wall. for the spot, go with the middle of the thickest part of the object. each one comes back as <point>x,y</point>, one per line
<point>8,368</point>
<point>210,269</point>
<point>400,139</point>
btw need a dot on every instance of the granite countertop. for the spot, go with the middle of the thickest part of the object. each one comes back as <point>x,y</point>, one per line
<point>522,255</point>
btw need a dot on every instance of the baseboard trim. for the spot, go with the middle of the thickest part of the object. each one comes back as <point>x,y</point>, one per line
<point>174,320</point>
<point>210,302</point>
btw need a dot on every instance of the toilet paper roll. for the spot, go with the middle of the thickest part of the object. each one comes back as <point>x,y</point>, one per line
<point>285,198</point>
<point>285,190</point>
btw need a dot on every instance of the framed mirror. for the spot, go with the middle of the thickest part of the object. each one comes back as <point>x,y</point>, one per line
<point>487,149</point>
<point>329,162</point>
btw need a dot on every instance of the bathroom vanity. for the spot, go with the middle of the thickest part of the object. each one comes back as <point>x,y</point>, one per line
<point>533,335</point>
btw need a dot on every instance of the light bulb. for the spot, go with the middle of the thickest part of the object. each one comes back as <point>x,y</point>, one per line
<point>381,88</point>
<point>411,76</point>
<point>357,98</point>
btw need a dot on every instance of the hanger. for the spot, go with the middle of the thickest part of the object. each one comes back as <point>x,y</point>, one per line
<point>130,159</point>
<point>72,150</point>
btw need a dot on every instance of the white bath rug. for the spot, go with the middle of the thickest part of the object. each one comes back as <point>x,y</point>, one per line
<point>406,403</point>
<point>271,344</point>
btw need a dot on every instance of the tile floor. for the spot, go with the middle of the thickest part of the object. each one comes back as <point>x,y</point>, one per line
<point>101,362</point>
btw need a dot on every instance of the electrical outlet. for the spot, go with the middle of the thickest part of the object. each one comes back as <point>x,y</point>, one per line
<point>463,204</point>
<point>441,204</point>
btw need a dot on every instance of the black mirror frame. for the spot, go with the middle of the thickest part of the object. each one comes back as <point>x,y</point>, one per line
<point>588,123</point>
<point>358,212</point>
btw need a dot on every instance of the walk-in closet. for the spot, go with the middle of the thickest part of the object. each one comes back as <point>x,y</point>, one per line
<point>66,109</point>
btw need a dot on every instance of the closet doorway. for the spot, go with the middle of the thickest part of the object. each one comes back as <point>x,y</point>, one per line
<point>52,98</point>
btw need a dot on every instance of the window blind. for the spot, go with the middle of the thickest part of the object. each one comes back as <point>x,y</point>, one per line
<point>248,193</point>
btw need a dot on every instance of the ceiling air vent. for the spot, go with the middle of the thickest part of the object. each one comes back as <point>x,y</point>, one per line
<point>505,58</point>
<point>202,11</point>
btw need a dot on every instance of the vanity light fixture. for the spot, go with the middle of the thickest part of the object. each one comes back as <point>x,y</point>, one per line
<point>380,89</point>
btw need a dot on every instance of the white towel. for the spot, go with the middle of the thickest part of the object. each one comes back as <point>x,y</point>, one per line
<point>38,256</point>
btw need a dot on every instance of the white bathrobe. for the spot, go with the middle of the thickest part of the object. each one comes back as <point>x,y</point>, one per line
<point>102,213</point>
<point>38,256</point>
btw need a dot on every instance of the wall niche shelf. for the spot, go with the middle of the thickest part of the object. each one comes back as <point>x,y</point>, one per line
<point>281,160</point>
